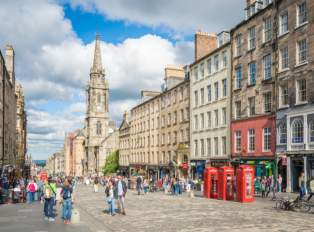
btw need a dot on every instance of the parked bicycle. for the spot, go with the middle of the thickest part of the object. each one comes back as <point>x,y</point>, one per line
<point>298,204</point>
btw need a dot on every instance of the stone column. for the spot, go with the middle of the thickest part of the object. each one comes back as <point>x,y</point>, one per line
<point>288,169</point>
<point>288,135</point>
<point>305,171</point>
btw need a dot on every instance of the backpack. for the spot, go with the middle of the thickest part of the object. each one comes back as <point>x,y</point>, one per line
<point>48,192</point>
<point>66,193</point>
<point>174,184</point>
<point>177,184</point>
<point>96,180</point>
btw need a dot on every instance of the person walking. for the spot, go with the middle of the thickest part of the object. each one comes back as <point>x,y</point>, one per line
<point>180,186</point>
<point>49,195</point>
<point>279,181</point>
<point>145,185</point>
<point>139,184</point>
<point>301,185</point>
<point>173,187</point>
<point>311,192</point>
<point>32,188</point>
<point>121,191</point>
<point>177,187</point>
<point>96,181</point>
<point>272,186</point>
<point>111,192</point>
<point>39,189</point>
<point>67,199</point>
<point>263,186</point>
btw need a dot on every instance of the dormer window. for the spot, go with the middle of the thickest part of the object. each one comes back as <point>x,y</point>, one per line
<point>223,38</point>
<point>253,8</point>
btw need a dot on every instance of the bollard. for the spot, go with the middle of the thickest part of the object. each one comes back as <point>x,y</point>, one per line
<point>75,216</point>
<point>166,191</point>
<point>191,193</point>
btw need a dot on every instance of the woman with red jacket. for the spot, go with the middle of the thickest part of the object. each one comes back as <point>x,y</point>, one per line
<point>32,188</point>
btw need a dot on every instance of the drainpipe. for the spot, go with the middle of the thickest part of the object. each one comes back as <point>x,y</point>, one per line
<point>230,134</point>
<point>3,104</point>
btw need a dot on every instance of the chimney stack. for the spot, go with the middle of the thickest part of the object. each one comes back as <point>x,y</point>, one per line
<point>9,61</point>
<point>249,2</point>
<point>205,43</point>
<point>126,116</point>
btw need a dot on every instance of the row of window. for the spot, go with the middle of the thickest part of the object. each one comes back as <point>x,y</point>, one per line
<point>208,98</point>
<point>251,140</point>
<point>124,160</point>
<point>207,151</point>
<point>267,35</point>
<point>140,142</point>
<point>142,158</point>
<point>179,91</point>
<point>267,105</point>
<point>300,93</point>
<point>199,120</point>
<point>210,65</point>
<point>297,132</point>
<point>124,144</point>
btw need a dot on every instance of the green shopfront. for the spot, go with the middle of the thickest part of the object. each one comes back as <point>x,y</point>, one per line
<point>262,167</point>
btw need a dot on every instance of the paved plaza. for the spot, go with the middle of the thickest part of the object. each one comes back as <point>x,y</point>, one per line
<point>160,212</point>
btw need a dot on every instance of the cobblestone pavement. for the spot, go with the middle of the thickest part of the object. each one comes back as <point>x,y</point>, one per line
<point>160,212</point>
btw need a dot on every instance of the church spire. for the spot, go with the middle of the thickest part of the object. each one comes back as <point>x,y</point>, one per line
<point>97,65</point>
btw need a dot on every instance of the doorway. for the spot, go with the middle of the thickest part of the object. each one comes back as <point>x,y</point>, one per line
<point>296,170</point>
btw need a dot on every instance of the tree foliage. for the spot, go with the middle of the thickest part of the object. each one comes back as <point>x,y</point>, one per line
<point>112,163</point>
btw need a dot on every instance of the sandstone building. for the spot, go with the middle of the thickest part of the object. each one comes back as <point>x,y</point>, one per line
<point>253,88</point>
<point>124,143</point>
<point>21,128</point>
<point>8,120</point>
<point>294,91</point>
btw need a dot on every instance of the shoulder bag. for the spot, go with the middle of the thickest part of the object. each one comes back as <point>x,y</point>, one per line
<point>54,199</point>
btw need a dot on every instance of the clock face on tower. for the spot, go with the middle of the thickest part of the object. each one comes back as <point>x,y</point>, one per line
<point>98,108</point>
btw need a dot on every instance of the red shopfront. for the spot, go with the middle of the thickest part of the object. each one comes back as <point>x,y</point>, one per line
<point>254,137</point>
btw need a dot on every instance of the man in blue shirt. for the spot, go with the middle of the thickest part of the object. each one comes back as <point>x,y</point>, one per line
<point>138,184</point>
<point>121,189</point>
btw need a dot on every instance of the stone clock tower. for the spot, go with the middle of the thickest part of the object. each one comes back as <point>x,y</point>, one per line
<point>97,114</point>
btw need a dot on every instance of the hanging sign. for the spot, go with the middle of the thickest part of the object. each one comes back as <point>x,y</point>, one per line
<point>284,160</point>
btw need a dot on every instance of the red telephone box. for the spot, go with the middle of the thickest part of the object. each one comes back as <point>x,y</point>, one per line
<point>226,182</point>
<point>43,175</point>
<point>210,188</point>
<point>245,183</point>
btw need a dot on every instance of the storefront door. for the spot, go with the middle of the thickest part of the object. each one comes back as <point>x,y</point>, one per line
<point>296,170</point>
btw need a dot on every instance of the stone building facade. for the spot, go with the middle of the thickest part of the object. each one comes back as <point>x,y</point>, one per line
<point>295,94</point>
<point>253,88</point>
<point>211,108</point>
<point>124,143</point>
<point>78,152</point>
<point>159,124</point>
<point>101,134</point>
<point>144,134</point>
<point>21,128</point>
<point>8,110</point>
<point>174,121</point>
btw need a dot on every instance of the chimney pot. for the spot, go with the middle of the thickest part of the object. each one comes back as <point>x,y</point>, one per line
<point>8,47</point>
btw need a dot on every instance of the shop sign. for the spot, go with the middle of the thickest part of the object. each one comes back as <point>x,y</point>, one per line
<point>250,162</point>
<point>137,166</point>
<point>297,162</point>
<point>284,160</point>
<point>143,167</point>
<point>125,168</point>
<point>219,163</point>
<point>192,164</point>
<point>200,163</point>
<point>263,162</point>
<point>185,166</point>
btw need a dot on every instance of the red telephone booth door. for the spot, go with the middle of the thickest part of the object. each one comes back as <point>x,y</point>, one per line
<point>213,175</point>
<point>206,186</point>
<point>230,185</point>
<point>249,185</point>
<point>245,184</point>
<point>225,186</point>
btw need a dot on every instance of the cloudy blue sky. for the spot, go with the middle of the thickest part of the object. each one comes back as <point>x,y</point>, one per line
<point>54,45</point>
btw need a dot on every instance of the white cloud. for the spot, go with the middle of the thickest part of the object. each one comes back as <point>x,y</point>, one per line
<point>181,17</point>
<point>79,107</point>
